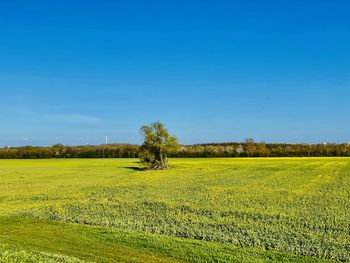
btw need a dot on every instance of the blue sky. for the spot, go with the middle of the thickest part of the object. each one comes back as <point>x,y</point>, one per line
<point>212,71</point>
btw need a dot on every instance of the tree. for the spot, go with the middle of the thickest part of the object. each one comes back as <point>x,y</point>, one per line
<point>158,143</point>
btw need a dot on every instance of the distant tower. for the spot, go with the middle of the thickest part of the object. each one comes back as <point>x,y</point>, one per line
<point>106,139</point>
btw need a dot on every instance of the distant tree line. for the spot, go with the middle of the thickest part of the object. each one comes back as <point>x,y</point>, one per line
<point>246,149</point>
<point>61,151</point>
<point>251,149</point>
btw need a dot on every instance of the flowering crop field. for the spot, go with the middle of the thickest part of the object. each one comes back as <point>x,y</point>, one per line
<point>200,210</point>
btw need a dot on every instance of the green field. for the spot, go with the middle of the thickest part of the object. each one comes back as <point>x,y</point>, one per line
<point>201,210</point>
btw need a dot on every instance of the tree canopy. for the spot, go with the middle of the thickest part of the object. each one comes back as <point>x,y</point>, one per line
<point>158,143</point>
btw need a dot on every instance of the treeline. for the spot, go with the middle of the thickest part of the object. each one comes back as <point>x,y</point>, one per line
<point>61,151</point>
<point>247,149</point>
<point>251,149</point>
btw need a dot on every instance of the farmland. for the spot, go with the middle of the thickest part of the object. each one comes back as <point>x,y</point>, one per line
<point>200,210</point>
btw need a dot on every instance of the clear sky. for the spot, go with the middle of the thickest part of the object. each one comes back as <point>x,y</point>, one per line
<point>212,71</point>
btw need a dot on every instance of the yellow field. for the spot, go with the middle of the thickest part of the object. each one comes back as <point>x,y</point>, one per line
<point>201,210</point>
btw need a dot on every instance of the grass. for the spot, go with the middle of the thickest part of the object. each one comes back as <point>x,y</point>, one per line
<point>201,210</point>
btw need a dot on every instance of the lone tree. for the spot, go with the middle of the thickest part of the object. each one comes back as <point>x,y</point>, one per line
<point>158,143</point>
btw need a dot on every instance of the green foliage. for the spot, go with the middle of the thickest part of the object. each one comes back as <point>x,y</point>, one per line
<point>9,254</point>
<point>73,243</point>
<point>202,210</point>
<point>60,151</point>
<point>249,149</point>
<point>158,143</point>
